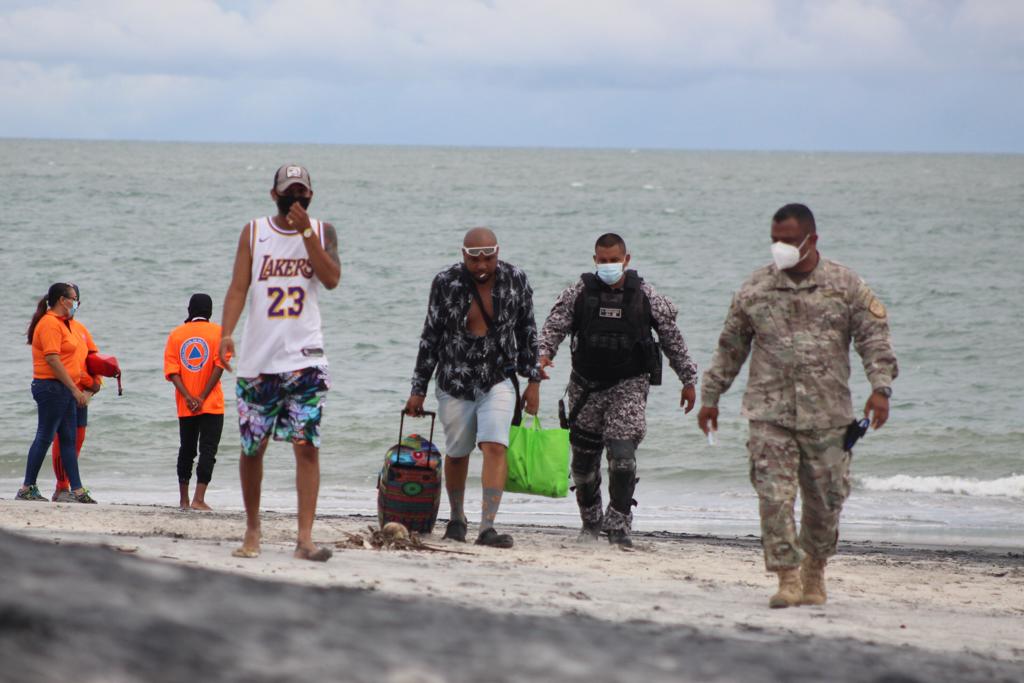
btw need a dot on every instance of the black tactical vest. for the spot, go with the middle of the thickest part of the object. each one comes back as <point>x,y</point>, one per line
<point>612,331</point>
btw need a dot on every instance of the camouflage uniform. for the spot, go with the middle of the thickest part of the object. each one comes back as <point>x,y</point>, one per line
<point>613,417</point>
<point>798,399</point>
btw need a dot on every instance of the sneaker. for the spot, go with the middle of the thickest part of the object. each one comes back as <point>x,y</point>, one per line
<point>31,493</point>
<point>83,497</point>
<point>494,539</point>
<point>63,496</point>
<point>456,531</point>
<point>620,537</point>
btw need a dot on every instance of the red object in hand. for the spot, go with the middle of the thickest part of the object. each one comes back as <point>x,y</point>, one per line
<point>104,365</point>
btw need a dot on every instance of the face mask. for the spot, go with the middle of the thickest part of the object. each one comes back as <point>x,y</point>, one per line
<point>786,255</point>
<point>610,273</point>
<point>74,308</point>
<point>284,204</point>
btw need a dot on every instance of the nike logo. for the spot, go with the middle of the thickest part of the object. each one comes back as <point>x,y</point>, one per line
<point>263,239</point>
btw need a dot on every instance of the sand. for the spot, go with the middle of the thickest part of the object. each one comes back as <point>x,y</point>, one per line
<point>961,610</point>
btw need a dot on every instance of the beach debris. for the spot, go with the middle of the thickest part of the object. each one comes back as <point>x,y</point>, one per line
<point>394,536</point>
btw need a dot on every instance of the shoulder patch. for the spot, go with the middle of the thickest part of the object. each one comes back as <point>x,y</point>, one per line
<point>877,308</point>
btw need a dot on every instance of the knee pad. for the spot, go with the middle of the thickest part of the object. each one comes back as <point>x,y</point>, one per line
<point>586,440</point>
<point>621,474</point>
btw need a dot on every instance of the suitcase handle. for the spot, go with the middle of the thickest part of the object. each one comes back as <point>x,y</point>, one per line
<point>401,427</point>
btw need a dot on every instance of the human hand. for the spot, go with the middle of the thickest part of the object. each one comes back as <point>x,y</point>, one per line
<point>707,418</point>
<point>297,218</point>
<point>545,362</point>
<point>414,406</point>
<point>81,398</point>
<point>688,399</point>
<point>192,403</point>
<point>877,408</point>
<point>531,398</point>
<point>226,352</point>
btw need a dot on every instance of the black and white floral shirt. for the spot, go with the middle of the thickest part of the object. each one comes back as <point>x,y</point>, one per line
<point>468,366</point>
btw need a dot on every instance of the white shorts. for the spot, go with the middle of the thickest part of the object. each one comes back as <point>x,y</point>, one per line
<point>468,423</point>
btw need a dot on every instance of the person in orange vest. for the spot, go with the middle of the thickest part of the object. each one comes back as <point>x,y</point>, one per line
<point>90,385</point>
<point>193,366</point>
<point>57,358</point>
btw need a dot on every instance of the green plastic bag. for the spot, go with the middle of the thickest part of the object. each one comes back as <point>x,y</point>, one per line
<point>538,460</point>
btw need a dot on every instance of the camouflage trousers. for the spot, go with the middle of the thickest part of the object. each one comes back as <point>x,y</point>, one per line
<point>783,461</point>
<point>613,420</point>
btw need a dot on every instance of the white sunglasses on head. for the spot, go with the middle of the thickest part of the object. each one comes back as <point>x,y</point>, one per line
<point>480,251</point>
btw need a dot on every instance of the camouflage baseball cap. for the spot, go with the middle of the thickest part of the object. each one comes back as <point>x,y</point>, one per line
<point>289,175</point>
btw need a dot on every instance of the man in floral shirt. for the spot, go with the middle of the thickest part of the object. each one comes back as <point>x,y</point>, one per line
<point>479,332</point>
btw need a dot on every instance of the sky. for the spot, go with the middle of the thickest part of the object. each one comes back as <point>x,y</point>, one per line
<point>852,75</point>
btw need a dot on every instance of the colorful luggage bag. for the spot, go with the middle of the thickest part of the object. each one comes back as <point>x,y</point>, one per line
<point>409,485</point>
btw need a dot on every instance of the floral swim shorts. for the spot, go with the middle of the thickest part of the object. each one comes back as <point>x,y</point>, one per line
<point>287,405</point>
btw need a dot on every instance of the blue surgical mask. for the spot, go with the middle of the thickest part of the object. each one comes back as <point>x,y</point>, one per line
<point>610,273</point>
<point>74,308</point>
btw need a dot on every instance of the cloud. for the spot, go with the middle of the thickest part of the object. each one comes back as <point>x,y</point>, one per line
<point>512,71</point>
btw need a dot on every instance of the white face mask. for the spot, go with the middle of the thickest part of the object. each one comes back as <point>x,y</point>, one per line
<point>786,255</point>
<point>610,273</point>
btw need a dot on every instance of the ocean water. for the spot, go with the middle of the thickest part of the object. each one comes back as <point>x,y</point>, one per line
<point>140,226</point>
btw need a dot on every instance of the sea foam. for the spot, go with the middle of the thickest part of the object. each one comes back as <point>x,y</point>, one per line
<point>1011,486</point>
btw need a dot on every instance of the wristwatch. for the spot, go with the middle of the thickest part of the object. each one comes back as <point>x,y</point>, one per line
<point>308,232</point>
<point>884,391</point>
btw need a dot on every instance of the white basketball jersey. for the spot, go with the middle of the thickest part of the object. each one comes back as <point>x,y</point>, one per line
<point>282,331</point>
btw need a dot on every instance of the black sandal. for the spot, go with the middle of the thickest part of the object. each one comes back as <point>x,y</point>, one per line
<point>492,538</point>
<point>456,531</point>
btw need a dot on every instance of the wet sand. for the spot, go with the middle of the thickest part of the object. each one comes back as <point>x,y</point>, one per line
<point>111,593</point>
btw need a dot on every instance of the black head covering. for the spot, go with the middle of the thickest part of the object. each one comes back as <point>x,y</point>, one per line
<point>199,306</point>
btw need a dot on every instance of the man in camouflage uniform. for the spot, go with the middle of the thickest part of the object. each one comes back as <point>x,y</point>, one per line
<point>615,360</point>
<point>796,319</point>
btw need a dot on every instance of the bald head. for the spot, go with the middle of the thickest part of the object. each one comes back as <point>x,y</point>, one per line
<point>480,237</point>
<point>480,254</point>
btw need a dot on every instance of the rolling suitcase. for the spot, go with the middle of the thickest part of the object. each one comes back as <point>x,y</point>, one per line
<point>409,485</point>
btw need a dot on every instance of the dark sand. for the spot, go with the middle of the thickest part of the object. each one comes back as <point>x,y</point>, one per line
<point>76,613</point>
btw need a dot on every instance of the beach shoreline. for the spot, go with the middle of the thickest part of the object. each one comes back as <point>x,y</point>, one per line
<point>967,603</point>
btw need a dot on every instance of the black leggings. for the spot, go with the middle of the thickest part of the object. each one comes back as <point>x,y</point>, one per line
<point>202,430</point>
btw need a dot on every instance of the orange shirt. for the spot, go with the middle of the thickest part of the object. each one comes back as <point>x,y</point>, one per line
<point>53,336</point>
<point>85,380</point>
<point>191,353</point>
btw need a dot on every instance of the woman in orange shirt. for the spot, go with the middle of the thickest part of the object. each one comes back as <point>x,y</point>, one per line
<point>90,385</point>
<point>58,355</point>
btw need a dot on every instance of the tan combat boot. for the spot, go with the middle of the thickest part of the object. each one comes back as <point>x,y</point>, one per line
<point>812,574</point>
<point>789,589</point>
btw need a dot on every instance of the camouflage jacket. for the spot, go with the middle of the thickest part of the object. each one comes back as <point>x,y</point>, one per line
<point>800,333</point>
<point>663,314</point>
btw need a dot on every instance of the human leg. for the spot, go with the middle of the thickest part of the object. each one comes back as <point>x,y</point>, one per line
<point>304,392</point>
<point>824,486</point>
<point>259,404</point>
<point>774,461</point>
<point>51,399</point>
<point>625,428</point>
<point>188,437</point>
<point>587,442</point>
<point>210,428</point>
<point>494,412</point>
<point>63,484</point>
<point>458,419</point>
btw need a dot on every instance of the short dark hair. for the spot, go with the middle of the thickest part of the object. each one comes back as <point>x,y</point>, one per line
<point>610,239</point>
<point>801,213</point>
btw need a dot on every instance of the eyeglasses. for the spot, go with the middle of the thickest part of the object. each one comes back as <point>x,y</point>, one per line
<point>480,251</point>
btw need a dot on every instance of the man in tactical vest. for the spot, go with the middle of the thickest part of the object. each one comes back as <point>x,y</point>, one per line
<point>615,360</point>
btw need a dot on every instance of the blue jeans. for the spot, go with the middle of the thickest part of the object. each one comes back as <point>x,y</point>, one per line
<point>58,414</point>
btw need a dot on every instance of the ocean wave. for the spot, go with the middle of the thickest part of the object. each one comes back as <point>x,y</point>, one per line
<point>1011,486</point>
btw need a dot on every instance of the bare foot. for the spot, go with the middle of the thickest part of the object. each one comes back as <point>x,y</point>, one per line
<point>250,545</point>
<point>312,553</point>
<point>183,504</point>
<point>200,505</point>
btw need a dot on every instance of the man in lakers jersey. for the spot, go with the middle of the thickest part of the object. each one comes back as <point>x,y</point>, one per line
<point>281,263</point>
